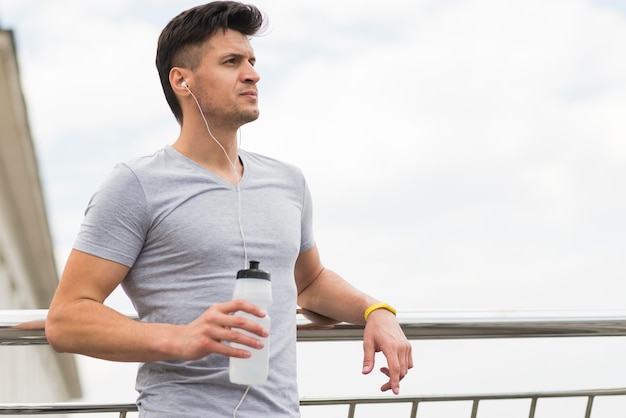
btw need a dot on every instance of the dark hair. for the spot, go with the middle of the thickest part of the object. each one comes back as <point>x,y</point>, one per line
<point>179,41</point>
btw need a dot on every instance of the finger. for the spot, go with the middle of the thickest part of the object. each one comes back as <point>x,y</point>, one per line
<point>220,330</point>
<point>406,360</point>
<point>230,351</point>
<point>218,340</point>
<point>406,363</point>
<point>369,352</point>
<point>239,337</point>
<point>393,365</point>
<point>246,323</point>
<point>388,385</point>
<point>238,305</point>
<point>393,370</point>
<point>409,358</point>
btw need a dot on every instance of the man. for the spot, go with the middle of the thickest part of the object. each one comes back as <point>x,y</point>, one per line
<point>173,228</point>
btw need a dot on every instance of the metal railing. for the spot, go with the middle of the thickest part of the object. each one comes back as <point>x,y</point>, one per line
<point>475,400</point>
<point>350,402</point>
<point>26,327</point>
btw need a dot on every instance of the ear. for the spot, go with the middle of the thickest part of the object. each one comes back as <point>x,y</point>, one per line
<point>177,76</point>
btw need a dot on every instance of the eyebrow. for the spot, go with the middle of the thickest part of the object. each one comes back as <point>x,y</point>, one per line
<point>238,56</point>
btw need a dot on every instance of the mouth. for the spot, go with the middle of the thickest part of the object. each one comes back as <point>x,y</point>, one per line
<point>250,94</point>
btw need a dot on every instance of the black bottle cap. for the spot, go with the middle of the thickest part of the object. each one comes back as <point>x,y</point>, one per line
<point>253,272</point>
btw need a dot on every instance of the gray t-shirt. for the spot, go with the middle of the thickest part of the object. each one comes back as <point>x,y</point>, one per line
<point>176,225</point>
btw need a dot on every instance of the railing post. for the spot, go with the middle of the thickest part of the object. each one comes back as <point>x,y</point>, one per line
<point>533,407</point>
<point>589,406</point>
<point>475,408</point>
<point>351,410</point>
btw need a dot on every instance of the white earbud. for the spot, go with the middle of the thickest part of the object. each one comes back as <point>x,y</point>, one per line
<point>184,84</point>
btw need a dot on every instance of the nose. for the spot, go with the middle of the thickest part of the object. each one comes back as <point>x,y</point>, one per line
<point>250,75</point>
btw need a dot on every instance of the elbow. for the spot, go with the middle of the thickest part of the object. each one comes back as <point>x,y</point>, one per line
<point>54,333</point>
<point>305,302</point>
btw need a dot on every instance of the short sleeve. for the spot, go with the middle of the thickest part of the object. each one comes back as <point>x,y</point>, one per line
<point>116,221</point>
<point>307,239</point>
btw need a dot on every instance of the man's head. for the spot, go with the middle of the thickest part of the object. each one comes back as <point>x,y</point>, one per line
<point>181,40</point>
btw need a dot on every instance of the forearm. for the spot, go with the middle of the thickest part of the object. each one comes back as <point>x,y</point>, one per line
<point>332,296</point>
<point>93,329</point>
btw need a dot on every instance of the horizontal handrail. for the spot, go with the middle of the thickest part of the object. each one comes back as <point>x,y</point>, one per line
<point>26,327</point>
<point>463,397</point>
<point>430,325</point>
<point>351,402</point>
<point>66,408</point>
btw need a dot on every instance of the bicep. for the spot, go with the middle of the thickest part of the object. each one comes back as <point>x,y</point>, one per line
<point>88,277</point>
<point>307,269</point>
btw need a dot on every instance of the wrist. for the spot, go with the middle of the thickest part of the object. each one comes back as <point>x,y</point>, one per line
<point>377,306</point>
<point>169,342</point>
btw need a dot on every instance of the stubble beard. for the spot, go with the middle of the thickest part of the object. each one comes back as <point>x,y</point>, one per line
<point>233,118</point>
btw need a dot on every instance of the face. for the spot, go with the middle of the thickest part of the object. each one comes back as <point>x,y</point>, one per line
<point>225,81</point>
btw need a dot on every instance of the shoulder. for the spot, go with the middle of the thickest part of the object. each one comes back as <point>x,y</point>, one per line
<point>148,162</point>
<point>163,168</point>
<point>263,162</point>
<point>127,181</point>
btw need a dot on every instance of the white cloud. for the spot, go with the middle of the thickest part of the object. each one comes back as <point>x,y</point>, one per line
<point>476,148</point>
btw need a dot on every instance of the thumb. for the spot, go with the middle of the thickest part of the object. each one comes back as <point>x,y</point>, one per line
<point>368,357</point>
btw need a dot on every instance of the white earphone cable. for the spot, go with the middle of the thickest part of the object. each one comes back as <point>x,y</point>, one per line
<point>237,178</point>
<point>240,402</point>
<point>239,206</point>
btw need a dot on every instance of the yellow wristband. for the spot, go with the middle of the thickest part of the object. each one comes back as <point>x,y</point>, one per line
<point>375,306</point>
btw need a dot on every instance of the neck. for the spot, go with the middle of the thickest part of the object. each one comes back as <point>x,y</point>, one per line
<point>215,150</point>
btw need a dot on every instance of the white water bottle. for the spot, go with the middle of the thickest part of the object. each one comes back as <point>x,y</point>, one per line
<point>252,285</point>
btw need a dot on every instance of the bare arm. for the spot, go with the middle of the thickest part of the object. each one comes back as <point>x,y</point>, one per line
<point>325,292</point>
<point>79,322</point>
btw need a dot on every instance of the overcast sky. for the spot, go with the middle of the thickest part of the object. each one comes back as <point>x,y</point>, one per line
<point>462,155</point>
